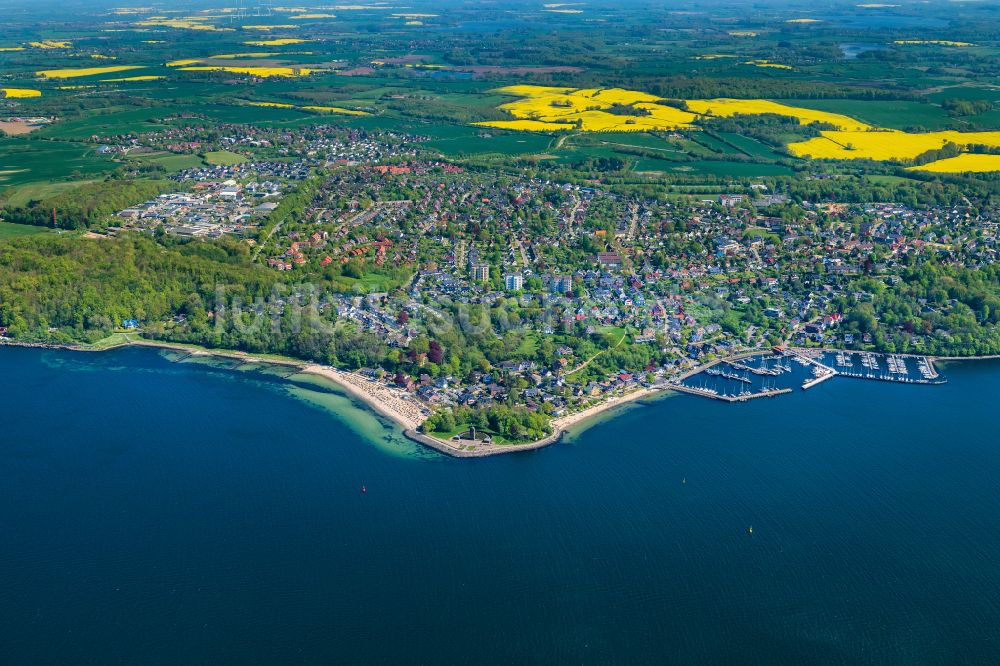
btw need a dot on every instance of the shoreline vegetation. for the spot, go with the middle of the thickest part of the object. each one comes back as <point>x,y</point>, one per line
<point>404,411</point>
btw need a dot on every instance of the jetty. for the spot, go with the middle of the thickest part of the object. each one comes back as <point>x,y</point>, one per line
<point>715,395</point>
<point>821,372</point>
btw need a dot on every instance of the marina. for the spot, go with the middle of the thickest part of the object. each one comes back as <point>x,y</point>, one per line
<point>901,368</point>
<point>779,371</point>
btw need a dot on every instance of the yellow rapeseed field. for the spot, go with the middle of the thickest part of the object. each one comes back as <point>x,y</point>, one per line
<point>148,77</point>
<point>965,163</point>
<point>936,42</point>
<point>312,16</point>
<point>254,71</point>
<point>526,125</point>
<point>189,23</point>
<point>336,109</point>
<point>320,109</point>
<point>766,63</point>
<point>51,44</point>
<point>11,48</point>
<point>549,108</point>
<point>886,144</point>
<point>725,108</point>
<point>84,71</point>
<point>278,42</point>
<point>545,106</point>
<point>20,93</point>
<point>230,56</point>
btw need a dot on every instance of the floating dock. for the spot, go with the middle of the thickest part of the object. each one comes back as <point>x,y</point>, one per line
<point>822,372</point>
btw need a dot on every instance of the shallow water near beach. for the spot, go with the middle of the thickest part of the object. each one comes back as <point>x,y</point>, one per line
<point>162,512</point>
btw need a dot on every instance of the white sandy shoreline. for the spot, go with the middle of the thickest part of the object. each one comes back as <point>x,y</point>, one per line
<point>387,402</point>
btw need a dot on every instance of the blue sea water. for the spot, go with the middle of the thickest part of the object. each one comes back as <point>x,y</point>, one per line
<point>159,512</point>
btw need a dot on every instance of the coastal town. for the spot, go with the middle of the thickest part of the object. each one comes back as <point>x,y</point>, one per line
<point>479,291</point>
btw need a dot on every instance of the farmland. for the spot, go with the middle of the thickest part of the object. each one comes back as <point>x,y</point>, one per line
<point>888,145</point>
<point>765,95</point>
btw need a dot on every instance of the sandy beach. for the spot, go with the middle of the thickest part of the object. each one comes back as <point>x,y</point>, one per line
<point>565,422</point>
<point>388,402</point>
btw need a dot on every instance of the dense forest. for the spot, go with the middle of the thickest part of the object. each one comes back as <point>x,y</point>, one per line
<point>510,423</point>
<point>65,289</point>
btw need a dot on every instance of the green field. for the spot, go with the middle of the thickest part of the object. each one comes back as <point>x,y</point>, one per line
<point>37,160</point>
<point>22,195</point>
<point>473,141</point>
<point>710,143</point>
<point>718,168</point>
<point>109,122</point>
<point>749,146</point>
<point>224,158</point>
<point>894,114</point>
<point>8,230</point>
<point>173,163</point>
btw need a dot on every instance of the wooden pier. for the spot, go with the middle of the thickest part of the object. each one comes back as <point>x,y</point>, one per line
<point>818,380</point>
<point>770,393</point>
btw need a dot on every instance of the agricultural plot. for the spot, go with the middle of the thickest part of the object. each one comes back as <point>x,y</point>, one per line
<point>748,146</point>
<point>966,163</point>
<point>615,110</point>
<point>8,230</point>
<point>570,153</point>
<point>894,114</point>
<point>172,163</point>
<point>465,142</point>
<point>33,160</point>
<point>885,146</point>
<point>109,122</point>
<point>22,195</point>
<point>714,146</point>
<point>716,168</point>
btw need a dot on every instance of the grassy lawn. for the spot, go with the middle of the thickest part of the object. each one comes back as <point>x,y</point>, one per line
<point>113,340</point>
<point>224,158</point>
<point>497,439</point>
<point>9,230</point>
<point>528,346</point>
